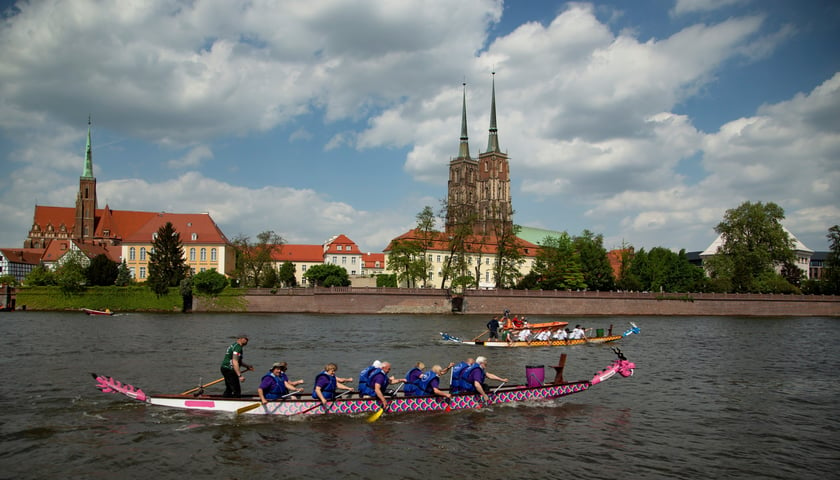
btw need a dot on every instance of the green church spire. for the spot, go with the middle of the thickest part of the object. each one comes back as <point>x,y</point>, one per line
<point>493,140</point>
<point>88,171</point>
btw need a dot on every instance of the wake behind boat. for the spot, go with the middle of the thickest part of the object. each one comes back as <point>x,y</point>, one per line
<point>533,389</point>
<point>634,329</point>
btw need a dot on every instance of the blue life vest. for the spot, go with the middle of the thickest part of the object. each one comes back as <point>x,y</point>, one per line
<point>424,383</point>
<point>368,389</point>
<point>364,375</point>
<point>457,385</point>
<point>278,386</point>
<point>466,384</point>
<point>329,390</point>
<point>411,380</point>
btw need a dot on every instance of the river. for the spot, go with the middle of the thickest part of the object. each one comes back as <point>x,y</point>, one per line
<point>712,397</point>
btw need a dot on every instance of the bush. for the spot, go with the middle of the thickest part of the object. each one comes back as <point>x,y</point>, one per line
<point>209,282</point>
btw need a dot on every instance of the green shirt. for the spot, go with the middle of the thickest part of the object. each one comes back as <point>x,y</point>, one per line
<point>235,350</point>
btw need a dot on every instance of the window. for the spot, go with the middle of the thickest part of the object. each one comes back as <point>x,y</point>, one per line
<point>154,236</point>
<point>352,272</point>
<point>142,272</point>
<point>487,261</point>
<point>352,260</point>
<point>303,268</point>
<point>438,258</point>
<point>212,254</point>
<point>142,253</point>
<point>203,269</point>
<point>131,271</point>
<point>338,247</point>
<point>203,254</point>
<point>192,270</point>
<point>194,236</point>
<point>377,264</point>
<point>430,259</point>
<point>486,276</point>
<point>132,254</point>
<point>335,261</point>
<point>344,260</point>
<point>349,247</point>
<point>192,254</point>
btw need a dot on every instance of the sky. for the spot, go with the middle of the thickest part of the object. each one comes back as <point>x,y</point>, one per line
<point>642,121</point>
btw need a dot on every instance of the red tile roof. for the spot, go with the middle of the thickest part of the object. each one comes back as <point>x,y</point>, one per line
<point>30,256</point>
<point>341,240</point>
<point>298,253</point>
<point>486,245</point>
<point>186,224</point>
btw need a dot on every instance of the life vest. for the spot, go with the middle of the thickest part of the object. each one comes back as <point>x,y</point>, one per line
<point>457,385</point>
<point>278,386</point>
<point>364,375</point>
<point>424,383</point>
<point>466,384</point>
<point>329,390</point>
<point>411,381</point>
<point>368,389</point>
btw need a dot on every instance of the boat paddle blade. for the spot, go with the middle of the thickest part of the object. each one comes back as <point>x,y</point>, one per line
<point>375,415</point>
<point>248,408</point>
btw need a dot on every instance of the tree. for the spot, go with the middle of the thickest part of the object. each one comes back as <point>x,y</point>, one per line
<point>508,255</point>
<point>407,260</point>
<point>831,275</point>
<point>558,265</point>
<point>102,271</point>
<point>426,235</point>
<point>8,279</point>
<point>286,275</point>
<point>327,275</point>
<point>754,241</point>
<point>167,266</point>
<point>40,276</point>
<point>597,272</point>
<point>70,275</point>
<point>456,264</point>
<point>253,258</point>
<point>662,270</point>
<point>209,282</point>
<point>123,275</point>
<point>268,279</point>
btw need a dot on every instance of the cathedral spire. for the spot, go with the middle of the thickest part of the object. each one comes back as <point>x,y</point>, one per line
<point>464,150</point>
<point>493,139</point>
<point>88,171</point>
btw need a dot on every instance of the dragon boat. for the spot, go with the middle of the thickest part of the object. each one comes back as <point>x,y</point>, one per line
<point>544,343</point>
<point>534,389</point>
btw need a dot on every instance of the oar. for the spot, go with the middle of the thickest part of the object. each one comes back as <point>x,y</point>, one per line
<point>319,403</point>
<point>202,386</point>
<point>381,410</point>
<point>497,388</point>
<point>482,334</point>
<point>248,408</point>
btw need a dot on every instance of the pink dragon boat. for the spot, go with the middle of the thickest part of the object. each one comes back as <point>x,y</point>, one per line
<point>534,389</point>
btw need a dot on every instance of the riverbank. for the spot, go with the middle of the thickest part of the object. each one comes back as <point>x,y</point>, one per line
<point>372,301</point>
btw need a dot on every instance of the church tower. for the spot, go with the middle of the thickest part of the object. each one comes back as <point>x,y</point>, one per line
<point>493,195</point>
<point>86,198</point>
<point>462,179</point>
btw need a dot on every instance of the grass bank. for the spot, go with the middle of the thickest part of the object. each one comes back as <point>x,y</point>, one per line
<point>117,299</point>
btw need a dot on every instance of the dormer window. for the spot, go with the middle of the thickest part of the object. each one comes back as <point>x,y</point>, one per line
<point>338,248</point>
<point>194,236</point>
<point>154,236</point>
<point>349,247</point>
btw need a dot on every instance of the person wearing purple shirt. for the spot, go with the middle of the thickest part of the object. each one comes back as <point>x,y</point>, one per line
<point>477,376</point>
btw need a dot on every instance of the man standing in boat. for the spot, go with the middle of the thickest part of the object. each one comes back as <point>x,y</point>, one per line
<point>233,366</point>
<point>493,327</point>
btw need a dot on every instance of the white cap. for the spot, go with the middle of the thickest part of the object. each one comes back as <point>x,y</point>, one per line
<point>377,364</point>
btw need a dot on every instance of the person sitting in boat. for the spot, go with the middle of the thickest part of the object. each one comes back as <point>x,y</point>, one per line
<point>578,333</point>
<point>457,385</point>
<point>560,334</point>
<point>544,335</point>
<point>412,378</point>
<point>517,323</point>
<point>326,383</point>
<point>430,381</point>
<point>378,382</point>
<point>493,328</point>
<point>475,375</point>
<point>365,374</point>
<point>525,335</point>
<point>275,384</point>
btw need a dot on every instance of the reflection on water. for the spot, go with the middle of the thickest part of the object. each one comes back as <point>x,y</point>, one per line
<point>712,397</point>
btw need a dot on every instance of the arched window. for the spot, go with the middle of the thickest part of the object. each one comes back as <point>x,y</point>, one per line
<point>132,254</point>
<point>212,254</point>
<point>192,254</point>
<point>142,253</point>
<point>203,254</point>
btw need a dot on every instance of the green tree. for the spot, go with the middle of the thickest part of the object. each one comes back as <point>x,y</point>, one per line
<point>8,279</point>
<point>386,280</point>
<point>253,258</point>
<point>754,243</point>
<point>458,237</point>
<point>626,280</point>
<point>286,274</point>
<point>597,272</point>
<point>662,270</point>
<point>831,276</point>
<point>40,276</point>
<point>102,271</point>
<point>268,279</point>
<point>167,266</point>
<point>70,275</point>
<point>209,282</point>
<point>123,275</point>
<point>509,255</point>
<point>558,265</point>
<point>327,275</point>
<point>407,260</point>
<point>426,235</point>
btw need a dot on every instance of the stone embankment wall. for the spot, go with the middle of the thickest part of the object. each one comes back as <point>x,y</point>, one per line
<point>350,300</point>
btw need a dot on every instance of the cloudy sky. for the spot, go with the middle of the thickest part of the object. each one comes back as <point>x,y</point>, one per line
<point>643,121</point>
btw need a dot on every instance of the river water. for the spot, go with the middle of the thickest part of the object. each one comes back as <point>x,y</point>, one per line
<point>712,397</point>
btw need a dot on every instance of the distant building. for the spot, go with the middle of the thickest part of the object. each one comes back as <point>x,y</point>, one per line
<point>802,253</point>
<point>18,262</point>
<point>338,250</point>
<point>121,234</point>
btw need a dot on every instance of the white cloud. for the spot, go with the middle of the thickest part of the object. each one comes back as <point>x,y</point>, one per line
<point>193,158</point>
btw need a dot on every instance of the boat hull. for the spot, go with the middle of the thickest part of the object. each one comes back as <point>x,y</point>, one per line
<point>96,312</point>
<point>548,343</point>
<point>350,406</point>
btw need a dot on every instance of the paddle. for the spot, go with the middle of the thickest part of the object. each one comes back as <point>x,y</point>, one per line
<point>252,406</point>
<point>203,386</point>
<point>381,410</point>
<point>482,334</point>
<point>325,408</point>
